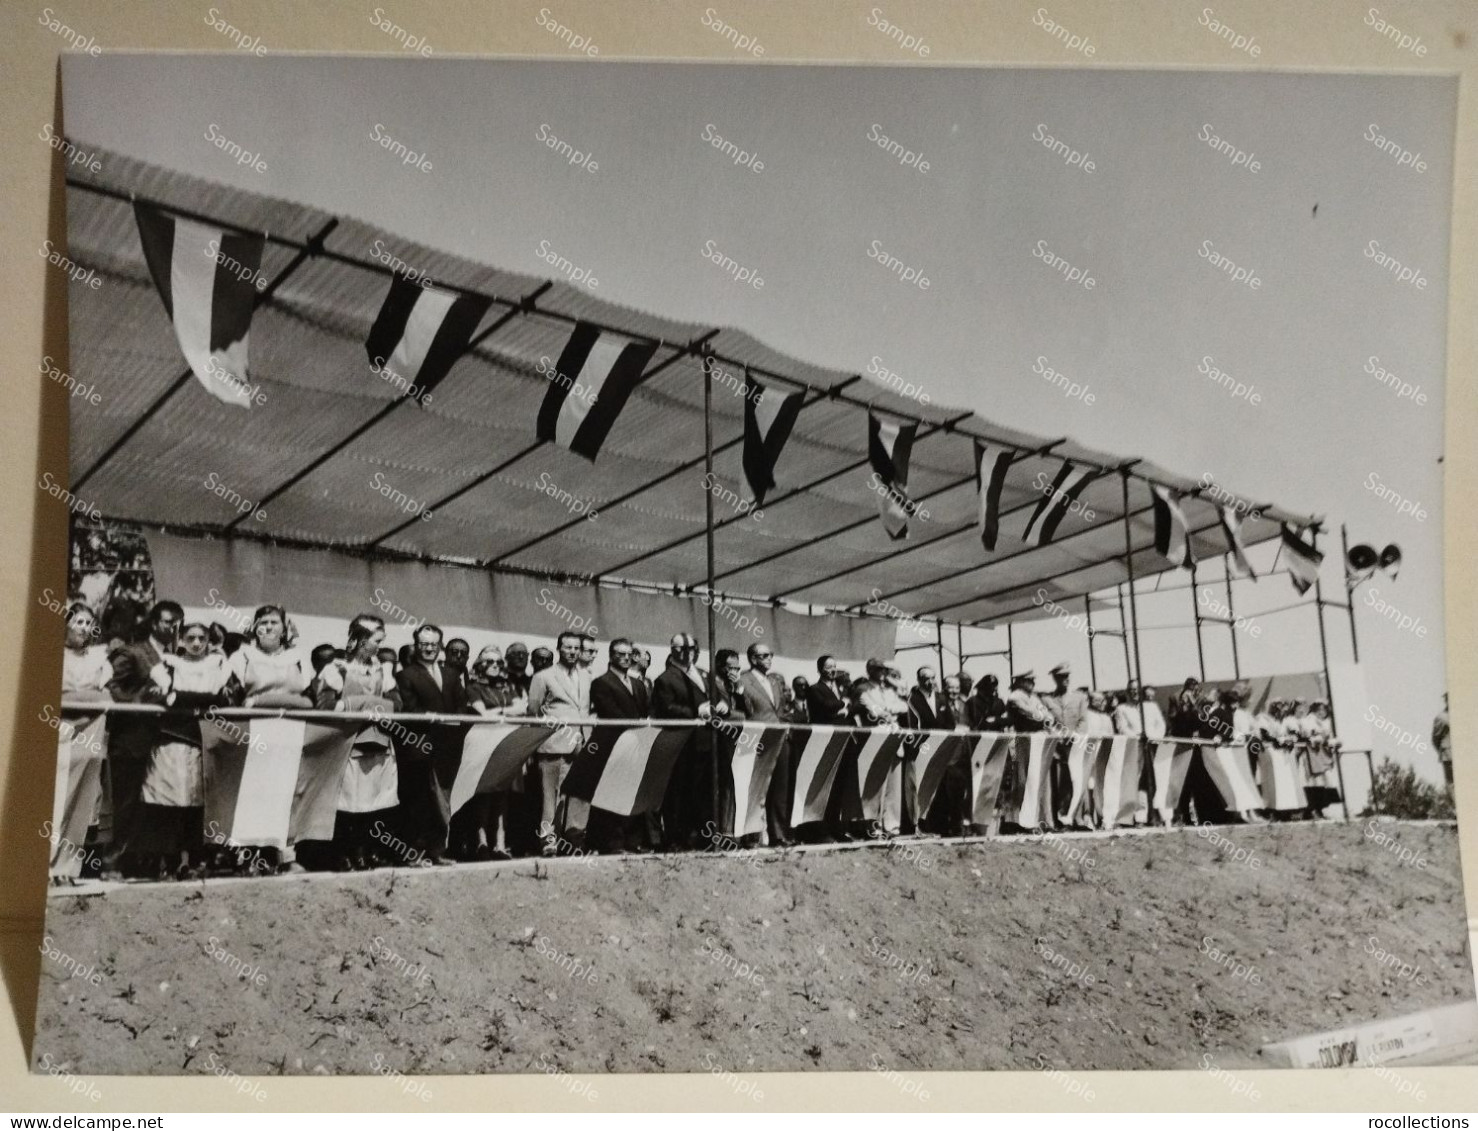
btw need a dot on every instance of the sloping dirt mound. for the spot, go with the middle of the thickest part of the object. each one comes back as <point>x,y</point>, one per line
<point>1145,951</point>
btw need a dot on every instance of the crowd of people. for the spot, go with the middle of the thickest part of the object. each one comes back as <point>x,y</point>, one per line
<point>135,808</point>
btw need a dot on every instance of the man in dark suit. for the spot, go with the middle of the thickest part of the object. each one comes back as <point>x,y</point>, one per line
<point>767,700</point>
<point>622,694</point>
<point>681,692</point>
<point>827,697</point>
<point>427,762</point>
<point>929,709</point>
<point>132,737</point>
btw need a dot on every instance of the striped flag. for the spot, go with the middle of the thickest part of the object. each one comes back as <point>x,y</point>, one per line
<point>1231,773</point>
<point>756,753</point>
<point>1172,535</point>
<point>881,751</point>
<point>933,757</point>
<point>821,750</point>
<point>1031,805</point>
<point>1231,526</point>
<point>989,487</point>
<point>272,782</point>
<point>889,446</point>
<point>988,761</point>
<point>1303,560</point>
<point>81,750</point>
<point>1082,755</point>
<point>1056,501</point>
<point>420,333</point>
<point>1171,761</point>
<point>1116,780</point>
<point>1282,778</point>
<point>589,386</point>
<point>625,770</point>
<point>768,418</point>
<point>208,279</point>
<point>493,754</point>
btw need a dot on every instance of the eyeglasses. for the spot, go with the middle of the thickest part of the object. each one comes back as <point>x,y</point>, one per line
<point>622,654</point>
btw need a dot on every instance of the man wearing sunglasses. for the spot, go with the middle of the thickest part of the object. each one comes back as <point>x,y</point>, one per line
<point>621,694</point>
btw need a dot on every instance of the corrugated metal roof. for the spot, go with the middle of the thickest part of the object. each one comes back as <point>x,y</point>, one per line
<point>467,455</point>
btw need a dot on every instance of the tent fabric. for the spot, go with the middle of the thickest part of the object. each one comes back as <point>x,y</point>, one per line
<point>241,574</point>
<point>319,468</point>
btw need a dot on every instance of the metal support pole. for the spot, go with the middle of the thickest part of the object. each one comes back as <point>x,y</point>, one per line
<point>1133,605</point>
<point>1010,656</point>
<point>1231,616</point>
<point>1339,769</point>
<point>1129,676</point>
<point>1344,542</point>
<point>960,645</point>
<point>1092,664</point>
<point>713,676</point>
<point>1196,609</point>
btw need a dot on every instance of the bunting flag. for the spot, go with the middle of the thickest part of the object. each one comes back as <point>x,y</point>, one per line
<point>989,486</point>
<point>625,770</point>
<point>988,760</point>
<point>821,749</point>
<point>881,751</point>
<point>420,333</point>
<point>272,782</point>
<point>889,446</point>
<point>1057,500</point>
<point>1116,780</point>
<point>1171,761</point>
<point>1172,535</point>
<point>1030,805</point>
<point>589,386</point>
<point>933,757</point>
<point>1082,756</point>
<point>757,752</point>
<point>1231,773</point>
<point>493,755</point>
<point>768,418</point>
<point>1231,526</point>
<point>1303,560</point>
<point>81,750</point>
<point>1282,778</point>
<point>208,280</point>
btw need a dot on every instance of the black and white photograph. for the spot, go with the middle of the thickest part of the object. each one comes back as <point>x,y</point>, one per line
<point>587,567</point>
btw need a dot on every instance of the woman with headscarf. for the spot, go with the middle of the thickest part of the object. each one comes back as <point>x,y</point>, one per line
<point>194,679</point>
<point>369,787</point>
<point>81,744</point>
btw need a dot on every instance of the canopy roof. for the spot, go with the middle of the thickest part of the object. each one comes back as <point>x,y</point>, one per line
<point>309,455</point>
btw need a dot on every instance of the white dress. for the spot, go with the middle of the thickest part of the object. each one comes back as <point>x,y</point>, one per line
<point>174,777</point>
<point>370,782</point>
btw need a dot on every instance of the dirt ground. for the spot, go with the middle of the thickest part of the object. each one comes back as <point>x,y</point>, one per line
<point>1141,951</point>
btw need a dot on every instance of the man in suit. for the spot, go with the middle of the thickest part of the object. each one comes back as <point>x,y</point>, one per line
<point>800,700</point>
<point>622,694</point>
<point>681,692</point>
<point>132,737</point>
<point>427,763</point>
<point>766,700</point>
<point>561,691</point>
<point>929,708</point>
<point>827,698</point>
<point>516,664</point>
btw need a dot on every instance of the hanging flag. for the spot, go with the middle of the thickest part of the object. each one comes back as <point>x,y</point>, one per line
<point>209,280</point>
<point>272,782</point>
<point>1172,761</point>
<point>821,749</point>
<point>1231,773</point>
<point>933,757</point>
<point>1081,760</point>
<point>768,419</point>
<point>1057,500</point>
<point>1030,805</point>
<point>1281,777</point>
<point>1116,780</point>
<point>988,761</point>
<point>1231,526</point>
<point>493,754</point>
<point>881,751</point>
<point>625,770</point>
<point>420,333</point>
<point>989,488</point>
<point>1172,535</point>
<point>757,751</point>
<point>1303,560</point>
<point>589,386</point>
<point>888,448</point>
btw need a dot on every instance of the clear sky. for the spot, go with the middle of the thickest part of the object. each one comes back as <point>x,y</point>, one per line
<point>1323,435</point>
